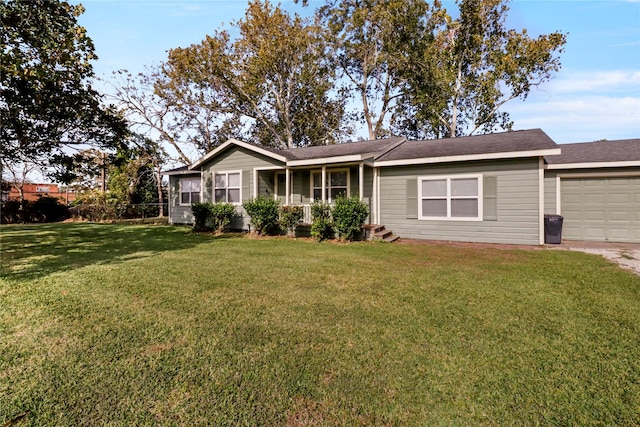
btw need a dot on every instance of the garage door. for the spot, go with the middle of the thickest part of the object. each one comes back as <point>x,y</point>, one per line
<point>601,209</point>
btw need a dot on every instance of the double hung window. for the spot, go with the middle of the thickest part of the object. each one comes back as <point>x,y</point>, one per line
<point>337,184</point>
<point>189,191</point>
<point>450,197</point>
<point>227,187</point>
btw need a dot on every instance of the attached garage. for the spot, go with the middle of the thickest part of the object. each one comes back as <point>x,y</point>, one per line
<point>601,209</point>
<point>595,186</point>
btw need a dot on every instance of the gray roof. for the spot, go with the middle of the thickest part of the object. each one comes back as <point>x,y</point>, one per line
<point>513,141</point>
<point>598,152</point>
<point>373,148</point>
<point>182,170</point>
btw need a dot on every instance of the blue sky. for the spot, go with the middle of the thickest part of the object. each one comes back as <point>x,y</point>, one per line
<point>595,96</point>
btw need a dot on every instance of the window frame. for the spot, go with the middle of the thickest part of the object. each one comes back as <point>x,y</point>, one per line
<point>449,197</point>
<point>328,198</point>
<point>227,188</point>
<point>180,192</point>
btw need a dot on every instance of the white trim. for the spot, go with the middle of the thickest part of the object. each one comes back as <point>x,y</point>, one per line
<point>255,182</point>
<point>361,180</point>
<point>276,186</point>
<point>287,186</point>
<point>227,173</point>
<point>326,160</point>
<point>594,165</point>
<point>598,174</point>
<point>199,178</point>
<point>239,143</point>
<point>378,213</point>
<point>479,197</point>
<point>558,203</point>
<point>375,218</point>
<point>469,157</point>
<point>326,182</point>
<point>182,172</point>
<point>541,201</point>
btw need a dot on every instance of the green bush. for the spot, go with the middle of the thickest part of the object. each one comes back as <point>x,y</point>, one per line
<point>221,215</point>
<point>45,209</point>
<point>49,209</point>
<point>263,212</point>
<point>321,225</point>
<point>201,213</point>
<point>290,217</point>
<point>349,215</point>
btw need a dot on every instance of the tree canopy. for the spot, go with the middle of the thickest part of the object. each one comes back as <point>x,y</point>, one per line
<point>274,83</point>
<point>46,100</point>
<point>456,78</point>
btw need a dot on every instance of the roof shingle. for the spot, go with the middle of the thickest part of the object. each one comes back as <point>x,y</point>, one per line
<point>598,152</point>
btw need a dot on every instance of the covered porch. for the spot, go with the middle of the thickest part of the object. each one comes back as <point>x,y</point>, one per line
<point>302,186</point>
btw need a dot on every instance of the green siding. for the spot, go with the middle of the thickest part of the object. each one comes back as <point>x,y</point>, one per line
<point>550,192</point>
<point>178,214</point>
<point>517,203</point>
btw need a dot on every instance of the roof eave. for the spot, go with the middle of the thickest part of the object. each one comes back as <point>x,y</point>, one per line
<point>468,157</point>
<point>587,165</point>
<point>238,143</point>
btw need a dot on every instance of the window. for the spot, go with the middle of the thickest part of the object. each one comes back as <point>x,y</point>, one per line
<point>337,184</point>
<point>450,197</point>
<point>227,187</point>
<point>189,191</point>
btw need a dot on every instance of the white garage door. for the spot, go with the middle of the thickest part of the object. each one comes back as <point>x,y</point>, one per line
<point>601,209</point>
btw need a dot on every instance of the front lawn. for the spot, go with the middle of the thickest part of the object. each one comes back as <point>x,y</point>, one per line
<point>154,325</point>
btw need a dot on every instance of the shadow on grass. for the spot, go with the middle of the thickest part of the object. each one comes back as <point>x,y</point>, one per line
<point>35,250</point>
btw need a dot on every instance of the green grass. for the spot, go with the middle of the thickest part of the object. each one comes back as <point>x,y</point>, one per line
<point>153,325</point>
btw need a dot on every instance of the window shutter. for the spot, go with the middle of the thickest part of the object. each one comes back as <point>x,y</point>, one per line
<point>412,199</point>
<point>247,193</point>
<point>490,199</point>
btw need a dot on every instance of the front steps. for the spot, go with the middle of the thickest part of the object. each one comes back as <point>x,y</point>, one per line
<point>379,232</point>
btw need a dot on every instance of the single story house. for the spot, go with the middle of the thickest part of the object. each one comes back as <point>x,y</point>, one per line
<point>493,188</point>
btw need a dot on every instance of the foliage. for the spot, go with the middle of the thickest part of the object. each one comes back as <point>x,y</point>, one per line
<point>94,205</point>
<point>367,38</point>
<point>221,215</point>
<point>321,221</point>
<point>44,209</point>
<point>349,215</point>
<point>274,79</point>
<point>46,101</point>
<point>263,212</point>
<point>329,335</point>
<point>458,75</point>
<point>201,213</point>
<point>290,217</point>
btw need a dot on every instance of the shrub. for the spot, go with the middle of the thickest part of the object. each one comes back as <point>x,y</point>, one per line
<point>349,215</point>
<point>290,217</point>
<point>263,212</point>
<point>201,213</point>
<point>49,209</point>
<point>45,209</point>
<point>321,226</point>
<point>221,215</point>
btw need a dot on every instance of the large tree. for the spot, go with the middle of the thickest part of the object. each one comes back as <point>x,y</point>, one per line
<point>273,83</point>
<point>367,38</point>
<point>46,100</point>
<point>456,79</point>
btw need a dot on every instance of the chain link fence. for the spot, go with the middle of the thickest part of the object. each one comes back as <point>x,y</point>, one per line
<point>106,212</point>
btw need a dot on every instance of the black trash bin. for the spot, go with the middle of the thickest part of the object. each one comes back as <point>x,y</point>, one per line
<point>553,229</point>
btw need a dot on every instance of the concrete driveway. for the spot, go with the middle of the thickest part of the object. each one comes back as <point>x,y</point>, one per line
<point>627,255</point>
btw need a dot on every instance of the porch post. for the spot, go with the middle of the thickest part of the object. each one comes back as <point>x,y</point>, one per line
<point>255,183</point>
<point>324,183</point>
<point>287,187</point>
<point>361,180</point>
<point>374,205</point>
